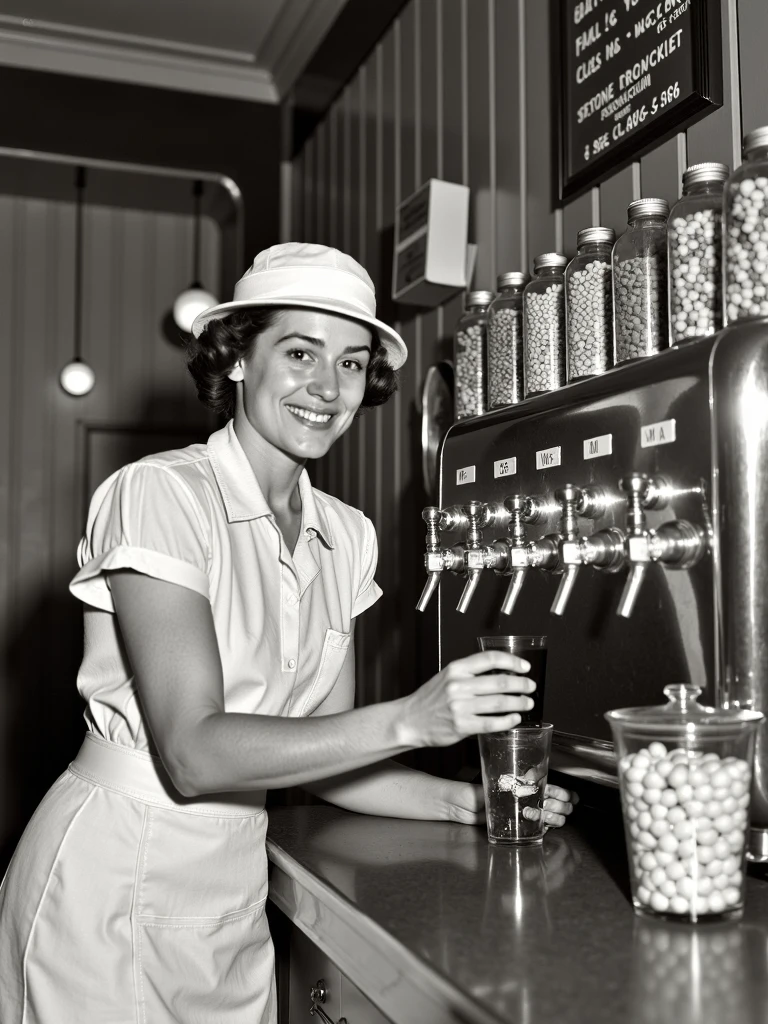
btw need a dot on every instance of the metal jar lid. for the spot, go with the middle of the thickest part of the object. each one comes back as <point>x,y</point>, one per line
<point>479,298</point>
<point>549,259</point>
<point>592,235</point>
<point>648,208</point>
<point>514,278</point>
<point>755,139</point>
<point>712,171</point>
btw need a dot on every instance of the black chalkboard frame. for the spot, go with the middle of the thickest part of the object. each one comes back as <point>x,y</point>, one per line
<point>706,97</point>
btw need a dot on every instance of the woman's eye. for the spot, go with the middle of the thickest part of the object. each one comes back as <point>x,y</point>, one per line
<point>298,354</point>
<point>353,364</point>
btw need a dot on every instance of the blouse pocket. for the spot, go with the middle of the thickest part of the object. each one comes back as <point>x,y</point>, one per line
<point>335,647</point>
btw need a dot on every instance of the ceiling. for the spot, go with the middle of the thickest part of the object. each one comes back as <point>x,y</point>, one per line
<point>246,49</point>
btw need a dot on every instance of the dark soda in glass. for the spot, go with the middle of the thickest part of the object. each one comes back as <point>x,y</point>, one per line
<point>534,650</point>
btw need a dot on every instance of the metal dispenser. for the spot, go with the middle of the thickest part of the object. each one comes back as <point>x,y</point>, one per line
<point>629,509</point>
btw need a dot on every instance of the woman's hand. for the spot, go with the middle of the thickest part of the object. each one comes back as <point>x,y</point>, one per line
<point>461,701</point>
<point>466,804</point>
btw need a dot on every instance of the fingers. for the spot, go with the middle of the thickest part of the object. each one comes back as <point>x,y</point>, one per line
<point>499,703</point>
<point>562,794</point>
<point>558,806</point>
<point>550,818</point>
<point>494,723</point>
<point>488,661</point>
<point>501,684</point>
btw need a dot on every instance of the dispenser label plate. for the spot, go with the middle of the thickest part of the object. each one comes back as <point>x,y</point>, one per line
<point>465,475</point>
<point>595,447</point>
<point>504,467</point>
<point>652,434</point>
<point>548,457</point>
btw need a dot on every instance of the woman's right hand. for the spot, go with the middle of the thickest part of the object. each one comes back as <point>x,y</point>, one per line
<point>461,701</point>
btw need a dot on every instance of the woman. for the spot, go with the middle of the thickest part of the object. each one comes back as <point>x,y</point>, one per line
<point>221,593</point>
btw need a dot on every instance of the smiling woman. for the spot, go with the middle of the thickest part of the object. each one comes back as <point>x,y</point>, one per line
<point>221,593</point>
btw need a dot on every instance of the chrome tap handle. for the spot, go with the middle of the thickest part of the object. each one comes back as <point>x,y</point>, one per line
<point>678,544</point>
<point>433,581</point>
<point>513,590</point>
<point>567,581</point>
<point>632,589</point>
<point>545,553</point>
<point>473,565</point>
<point>604,549</point>
<point>473,578</point>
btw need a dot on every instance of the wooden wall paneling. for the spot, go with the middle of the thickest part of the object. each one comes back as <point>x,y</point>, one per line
<point>482,226</point>
<point>298,175</point>
<point>321,206</point>
<point>615,197</point>
<point>576,215</point>
<point>388,449</point>
<point>718,135</point>
<point>660,172</point>
<point>538,141</point>
<point>309,220</point>
<point>452,136</point>
<point>335,170</point>
<point>506,127</point>
<point>348,440</point>
<point>753,70</point>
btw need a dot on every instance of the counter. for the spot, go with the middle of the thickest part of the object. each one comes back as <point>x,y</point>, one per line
<point>433,924</point>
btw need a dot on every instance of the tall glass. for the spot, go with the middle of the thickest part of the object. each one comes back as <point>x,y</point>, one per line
<point>515,765</point>
<point>534,650</point>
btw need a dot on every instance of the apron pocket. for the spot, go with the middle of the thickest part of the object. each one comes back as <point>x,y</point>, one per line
<point>198,866</point>
<point>335,647</point>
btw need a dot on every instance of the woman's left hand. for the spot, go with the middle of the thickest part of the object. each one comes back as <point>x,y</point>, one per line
<point>467,805</point>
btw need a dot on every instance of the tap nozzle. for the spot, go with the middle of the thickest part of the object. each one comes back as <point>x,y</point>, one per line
<point>511,552</point>
<point>473,562</point>
<point>569,551</point>
<point>436,558</point>
<point>641,492</point>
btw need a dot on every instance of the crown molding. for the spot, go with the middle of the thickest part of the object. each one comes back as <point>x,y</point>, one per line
<point>300,27</point>
<point>91,58</point>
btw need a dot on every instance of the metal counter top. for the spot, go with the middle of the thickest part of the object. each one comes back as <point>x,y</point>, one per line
<point>435,925</point>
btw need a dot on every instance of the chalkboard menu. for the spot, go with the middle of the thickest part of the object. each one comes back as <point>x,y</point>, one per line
<point>633,72</point>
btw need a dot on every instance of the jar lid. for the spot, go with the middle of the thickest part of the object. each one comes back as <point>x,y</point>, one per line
<point>755,139</point>
<point>648,208</point>
<point>549,259</point>
<point>479,298</point>
<point>587,235</point>
<point>683,711</point>
<point>712,171</point>
<point>514,277</point>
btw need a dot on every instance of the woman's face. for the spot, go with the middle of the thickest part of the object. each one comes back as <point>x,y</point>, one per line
<point>304,380</point>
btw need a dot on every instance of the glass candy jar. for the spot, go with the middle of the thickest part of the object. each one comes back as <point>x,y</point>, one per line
<point>505,342</point>
<point>544,325</point>
<point>589,305</point>
<point>640,281</point>
<point>746,232</point>
<point>695,233</point>
<point>469,355</point>
<point>685,773</point>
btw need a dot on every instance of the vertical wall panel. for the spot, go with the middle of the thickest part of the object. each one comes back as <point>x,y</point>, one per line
<point>615,197</point>
<point>507,131</point>
<point>453,126</point>
<point>718,136</point>
<point>478,138</point>
<point>576,215</point>
<point>660,172</point>
<point>539,97</point>
<point>753,60</point>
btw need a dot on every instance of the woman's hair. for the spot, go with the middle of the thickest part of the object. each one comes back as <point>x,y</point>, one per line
<point>222,343</point>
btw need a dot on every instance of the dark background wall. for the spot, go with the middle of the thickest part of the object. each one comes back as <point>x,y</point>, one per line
<point>462,90</point>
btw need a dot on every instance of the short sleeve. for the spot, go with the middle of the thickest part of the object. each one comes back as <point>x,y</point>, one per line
<point>369,591</point>
<point>144,517</point>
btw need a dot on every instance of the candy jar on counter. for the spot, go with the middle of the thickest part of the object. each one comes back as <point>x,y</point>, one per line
<point>589,305</point>
<point>695,235</point>
<point>469,355</point>
<point>640,281</point>
<point>505,342</point>
<point>544,325</point>
<point>746,232</point>
<point>685,773</point>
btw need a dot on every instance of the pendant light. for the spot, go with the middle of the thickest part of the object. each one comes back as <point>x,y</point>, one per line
<point>77,378</point>
<point>195,298</point>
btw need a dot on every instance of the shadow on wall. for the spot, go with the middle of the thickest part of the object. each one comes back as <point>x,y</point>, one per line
<point>43,711</point>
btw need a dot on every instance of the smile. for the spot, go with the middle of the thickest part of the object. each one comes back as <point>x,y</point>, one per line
<point>310,417</point>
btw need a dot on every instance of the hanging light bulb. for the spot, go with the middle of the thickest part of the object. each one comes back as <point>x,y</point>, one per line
<point>194,299</point>
<point>77,378</point>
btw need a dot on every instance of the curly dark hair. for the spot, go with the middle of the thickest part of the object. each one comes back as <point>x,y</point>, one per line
<point>224,342</point>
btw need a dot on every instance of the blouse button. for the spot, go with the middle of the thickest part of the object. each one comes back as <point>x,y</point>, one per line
<point>291,663</point>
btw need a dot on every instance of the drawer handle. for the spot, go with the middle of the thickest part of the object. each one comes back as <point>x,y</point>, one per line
<point>317,994</point>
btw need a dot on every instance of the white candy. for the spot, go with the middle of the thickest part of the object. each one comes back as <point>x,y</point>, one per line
<point>747,232</point>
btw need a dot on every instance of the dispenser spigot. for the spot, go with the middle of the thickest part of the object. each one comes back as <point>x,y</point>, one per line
<point>438,559</point>
<point>638,555</point>
<point>509,555</point>
<point>569,551</point>
<point>473,561</point>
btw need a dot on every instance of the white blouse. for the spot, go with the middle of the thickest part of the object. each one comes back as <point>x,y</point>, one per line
<point>196,517</point>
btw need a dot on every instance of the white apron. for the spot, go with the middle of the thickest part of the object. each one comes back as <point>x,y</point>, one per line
<point>127,903</point>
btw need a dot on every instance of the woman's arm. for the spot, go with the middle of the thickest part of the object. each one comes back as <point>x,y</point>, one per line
<point>171,645</point>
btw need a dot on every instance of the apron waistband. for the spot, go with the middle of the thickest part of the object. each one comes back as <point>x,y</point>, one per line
<point>142,777</point>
